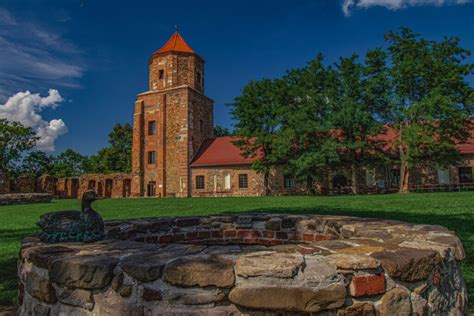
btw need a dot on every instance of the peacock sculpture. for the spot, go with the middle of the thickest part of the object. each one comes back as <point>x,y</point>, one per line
<point>77,226</point>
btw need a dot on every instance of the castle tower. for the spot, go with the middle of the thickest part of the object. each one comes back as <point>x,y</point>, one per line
<point>170,122</point>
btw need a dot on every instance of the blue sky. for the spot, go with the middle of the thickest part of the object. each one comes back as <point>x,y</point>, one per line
<point>95,53</point>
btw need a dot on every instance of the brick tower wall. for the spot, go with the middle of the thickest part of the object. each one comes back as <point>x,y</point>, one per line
<point>184,118</point>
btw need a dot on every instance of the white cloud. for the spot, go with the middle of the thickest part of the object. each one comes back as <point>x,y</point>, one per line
<point>35,57</point>
<point>348,5</point>
<point>24,107</point>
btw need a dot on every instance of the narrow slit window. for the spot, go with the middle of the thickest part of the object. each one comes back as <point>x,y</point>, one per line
<point>151,127</point>
<point>161,74</point>
<point>151,157</point>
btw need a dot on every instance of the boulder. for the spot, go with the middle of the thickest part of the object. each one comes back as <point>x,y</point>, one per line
<point>396,302</point>
<point>408,264</point>
<point>86,272</point>
<point>200,270</point>
<point>269,263</point>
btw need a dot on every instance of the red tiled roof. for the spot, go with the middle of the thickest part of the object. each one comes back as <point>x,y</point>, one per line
<point>391,134</point>
<point>175,44</point>
<point>221,151</point>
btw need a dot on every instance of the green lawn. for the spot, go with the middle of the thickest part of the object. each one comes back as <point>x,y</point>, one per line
<point>453,210</point>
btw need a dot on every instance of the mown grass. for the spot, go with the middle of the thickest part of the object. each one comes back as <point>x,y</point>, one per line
<point>453,210</point>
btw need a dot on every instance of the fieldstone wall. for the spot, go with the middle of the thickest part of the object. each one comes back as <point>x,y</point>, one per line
<point>248,265</point>
<point>24,184</point>
<point>24,198</point>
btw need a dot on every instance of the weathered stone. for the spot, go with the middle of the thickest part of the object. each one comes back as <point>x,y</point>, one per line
<point>367,285</point>
<point>288,222</point>
<point>419,305</point>
<point>118,285</point>
<point>442,250</point>
<point>43,256</point>
<point>453,242</point>
<point>149,266</point>
<point>150,294</point>
<point>438,302</point>
<point>40,287</point>
<point>41,310</point>
<point>358,309</point>
<point>279,297</point>
<point>353,262</point>
<point>66,310</point>
<point>407,264</point>
<point>366,250</point>
<point>396,302</point>
<point>76,297</point>
<point>201,270</point>
<point>268,263</point>
<point>87,272</point>
<point>380,234</point>
<point>198,296</point>
<point>273,224</point>
<point>144,267</point>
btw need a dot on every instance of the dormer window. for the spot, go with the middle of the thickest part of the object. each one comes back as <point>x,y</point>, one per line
<point>161,74</point>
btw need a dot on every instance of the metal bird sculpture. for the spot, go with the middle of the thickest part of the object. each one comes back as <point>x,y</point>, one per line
<point>73,226</point>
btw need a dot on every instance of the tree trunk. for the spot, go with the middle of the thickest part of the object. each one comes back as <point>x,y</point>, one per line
<point>266,183</point>
<point>354,180</point>
<point>404,178</point>
<point>309,186</point>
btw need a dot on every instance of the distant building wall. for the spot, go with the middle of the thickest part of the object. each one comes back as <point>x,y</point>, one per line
<point>4,183</point>
<point>24,184</point>
<point>115,185</point>
<point>215,181</point>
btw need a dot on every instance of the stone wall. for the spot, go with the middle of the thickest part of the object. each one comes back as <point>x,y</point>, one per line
<point>46,184</point>
<point>115,185</point>
<point>259,264</point>
<point>24,184</point>
<point>24,198</point>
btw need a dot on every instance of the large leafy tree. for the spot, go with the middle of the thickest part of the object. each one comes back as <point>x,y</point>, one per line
<point>432,100</point>
<point>68,164</point>
<point>37,163</point>
<point>357,110</point>
<point>117,157</point>
<point>304,139</point>
<point>15,140</point>
<point>220,131</point>
<point>258,113</point>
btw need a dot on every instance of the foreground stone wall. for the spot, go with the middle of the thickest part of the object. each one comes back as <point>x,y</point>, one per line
<point>248,265</point>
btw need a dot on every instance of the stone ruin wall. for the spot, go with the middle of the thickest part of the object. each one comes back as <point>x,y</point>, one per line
<point>255,264</point>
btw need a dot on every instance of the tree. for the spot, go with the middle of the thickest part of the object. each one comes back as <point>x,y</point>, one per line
<point>15,140</point>
<point>118,156</point>
<point>37,163</point>
<point>357,110</point>
<point>304,139</point>
<point>220,131</point>
<point>68,164</point>
<point>432,101</point>
<point>258,113</point>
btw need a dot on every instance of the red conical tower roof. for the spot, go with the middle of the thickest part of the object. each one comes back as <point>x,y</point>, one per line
<point>175,44</point>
